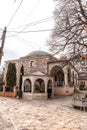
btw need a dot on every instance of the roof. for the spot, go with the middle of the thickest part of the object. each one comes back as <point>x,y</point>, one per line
<point>38,73</point>
<point>38,53</point>
<point>63,63</point>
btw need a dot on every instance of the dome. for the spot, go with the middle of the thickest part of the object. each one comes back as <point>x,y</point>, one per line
<point>38,53</point>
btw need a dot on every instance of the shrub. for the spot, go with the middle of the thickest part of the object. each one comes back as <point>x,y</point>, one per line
<point>11,77</point>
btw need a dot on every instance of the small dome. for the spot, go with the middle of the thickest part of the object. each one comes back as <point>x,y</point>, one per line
<point>38,53</point>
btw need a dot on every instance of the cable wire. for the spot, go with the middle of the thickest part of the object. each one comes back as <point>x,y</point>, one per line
<point>14,13</point>
<point>29,43</point>
<point>35,23</point>
<point>33,8</point>
<point>32,31</point>
<point>32,24</point>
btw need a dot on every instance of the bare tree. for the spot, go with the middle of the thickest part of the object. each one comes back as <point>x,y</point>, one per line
<point>70,31</point>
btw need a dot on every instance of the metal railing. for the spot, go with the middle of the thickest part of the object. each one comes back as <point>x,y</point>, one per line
<point>59,84</point>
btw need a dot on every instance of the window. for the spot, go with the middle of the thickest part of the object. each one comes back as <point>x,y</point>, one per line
<point>32,63</point>
<point>82,86</point>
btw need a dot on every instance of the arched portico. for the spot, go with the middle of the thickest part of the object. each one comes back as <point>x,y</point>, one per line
<point>62,80</point>
<point>58,76</point>
<point>38,87</point>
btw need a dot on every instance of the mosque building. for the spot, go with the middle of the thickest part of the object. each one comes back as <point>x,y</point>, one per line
<point>44,74</point>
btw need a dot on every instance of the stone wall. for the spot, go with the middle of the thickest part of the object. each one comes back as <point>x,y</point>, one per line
<point>63,91</point>
<point>40,65</point>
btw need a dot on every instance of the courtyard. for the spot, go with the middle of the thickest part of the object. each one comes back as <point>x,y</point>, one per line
<point>52,114</point>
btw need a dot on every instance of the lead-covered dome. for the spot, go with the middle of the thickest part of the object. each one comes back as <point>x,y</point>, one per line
<point>38,53</point>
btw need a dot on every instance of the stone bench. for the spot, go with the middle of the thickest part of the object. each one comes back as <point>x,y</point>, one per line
<point>79,100</point>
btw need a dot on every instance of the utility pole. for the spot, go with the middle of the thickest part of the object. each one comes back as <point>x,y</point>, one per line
<point>2,43</point>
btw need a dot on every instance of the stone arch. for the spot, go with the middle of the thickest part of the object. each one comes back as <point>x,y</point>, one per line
<point>58,75</point>
<point>27,85</point>
<point>39,86</point>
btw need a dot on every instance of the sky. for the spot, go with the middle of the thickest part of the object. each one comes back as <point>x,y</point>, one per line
<point>25,26</point>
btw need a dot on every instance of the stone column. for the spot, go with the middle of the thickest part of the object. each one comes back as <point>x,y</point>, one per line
<point>46,86</point>
<point>32,86</point>
<point>23,84</point>
<point>66,78</point>
<point>52,88</point>
<point>15,91</point>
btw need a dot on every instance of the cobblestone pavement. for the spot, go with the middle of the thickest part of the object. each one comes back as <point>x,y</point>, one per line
<point>55,114</point>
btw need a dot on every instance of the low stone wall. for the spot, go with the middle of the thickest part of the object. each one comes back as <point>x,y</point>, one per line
<point>63,91</point>
<point>9,94</point>
<point>34,96</point>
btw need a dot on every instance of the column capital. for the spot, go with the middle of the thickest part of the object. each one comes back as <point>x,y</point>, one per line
<point>65,70</point>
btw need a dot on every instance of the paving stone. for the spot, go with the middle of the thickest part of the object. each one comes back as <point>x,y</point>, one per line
<point>55,114</point>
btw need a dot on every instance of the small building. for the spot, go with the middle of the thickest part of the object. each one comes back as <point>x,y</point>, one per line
<point>82,80</point>
<point>82,75</point>
<point>44,75</point>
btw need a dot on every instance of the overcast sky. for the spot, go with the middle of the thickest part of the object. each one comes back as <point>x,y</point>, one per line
<point>37,15</point>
